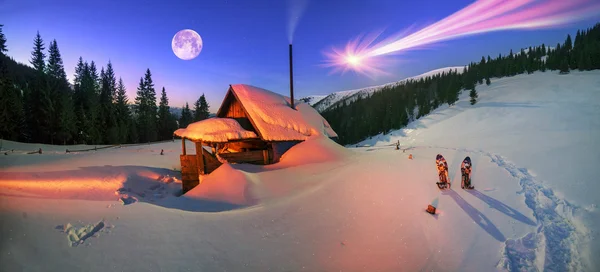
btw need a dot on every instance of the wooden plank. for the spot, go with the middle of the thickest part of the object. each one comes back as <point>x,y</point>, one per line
<point>202,151</point>
<point>266,156</point>
<point>256,157</point>
<point>234,109</point>
<point>200,158</point>
<point>183,146</point>
<point>211,161</point>
<point>189,172</point>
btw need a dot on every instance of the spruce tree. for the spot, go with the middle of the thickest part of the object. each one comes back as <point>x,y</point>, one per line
<point>564,66</point>
<point>201,111</point>
<point>39,109</point>
<point>89,105</point>
<point>2,41</point>
<point>11,100</point>
<point>63,117</point>
<point>196,112</point>
<point>37,56</point>
<point>106,119</point>
<point>152,108</point>
<point>487,81</point>
<point>166,122</point>
<point>581,61</point>
<point>78,104</point>
<point>568,44</point>
<point>123,116</point>
<point>147,110</point>
<point>111,81</point>
<point>473,95</point>
<point>186,116</point>
<point>141,110</point>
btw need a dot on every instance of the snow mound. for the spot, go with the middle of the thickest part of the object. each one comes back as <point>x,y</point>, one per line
<point>226,184</point>
<point>215,130</point>
<point>314,150</point>
<point>275,120</point>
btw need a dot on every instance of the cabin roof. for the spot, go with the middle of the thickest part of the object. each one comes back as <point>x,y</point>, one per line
<point>269,113</point>
<point>215,130</point>
<point>273,118</point>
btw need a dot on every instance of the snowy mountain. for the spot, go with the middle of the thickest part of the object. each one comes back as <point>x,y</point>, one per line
<point>323,103</point>
<point>313,99</point>
<point>532,140</point>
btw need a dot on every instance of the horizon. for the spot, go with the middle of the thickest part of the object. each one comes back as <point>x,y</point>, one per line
<point>260,58</point>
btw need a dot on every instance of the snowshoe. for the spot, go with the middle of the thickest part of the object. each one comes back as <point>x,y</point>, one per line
<point>466,184</point>
<point>465,169</point>
<point>442,168</point>
<point>443,185</point>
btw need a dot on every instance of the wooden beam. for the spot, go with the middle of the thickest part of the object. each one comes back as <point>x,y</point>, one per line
<point>266,156</point>
<point>203,158</point>
<point>183,146</point>
<point>199,158</point>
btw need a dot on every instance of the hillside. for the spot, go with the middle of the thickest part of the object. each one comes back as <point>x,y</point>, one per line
<point>322,103</point>
<point>532,139</point>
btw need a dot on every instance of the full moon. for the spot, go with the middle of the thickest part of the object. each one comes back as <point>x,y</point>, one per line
<point>186,44</point>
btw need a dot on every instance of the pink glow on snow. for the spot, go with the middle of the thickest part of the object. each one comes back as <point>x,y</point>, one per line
<point>94,183</point>
<point>483,16</point>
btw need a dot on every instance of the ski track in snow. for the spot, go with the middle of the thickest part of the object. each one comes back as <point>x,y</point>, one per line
<point>553,246</point>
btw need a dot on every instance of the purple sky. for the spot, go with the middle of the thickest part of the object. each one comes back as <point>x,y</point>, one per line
<point>244,41</point>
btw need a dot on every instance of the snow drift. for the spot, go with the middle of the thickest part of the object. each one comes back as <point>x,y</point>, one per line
<point>532,140</point>
<point>226,184</point>
<point>242,185</point>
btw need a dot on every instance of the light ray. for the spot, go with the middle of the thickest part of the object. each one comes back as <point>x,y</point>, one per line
<point>364,56</point>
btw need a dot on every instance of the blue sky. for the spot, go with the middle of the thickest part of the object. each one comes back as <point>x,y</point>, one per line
<point>244,41</point>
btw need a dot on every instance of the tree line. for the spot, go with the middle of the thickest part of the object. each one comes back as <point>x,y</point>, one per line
<point>38,103</point>
<point>393,107</point>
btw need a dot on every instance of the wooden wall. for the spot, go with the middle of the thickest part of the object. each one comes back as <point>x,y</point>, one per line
<point>234,109</point>
<point>212,163</point>
<point>248,145</point>
<point>253,157</point>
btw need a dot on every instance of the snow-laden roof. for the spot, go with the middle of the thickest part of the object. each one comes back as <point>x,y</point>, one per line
<point>275,120</point>
<point>215,130</point>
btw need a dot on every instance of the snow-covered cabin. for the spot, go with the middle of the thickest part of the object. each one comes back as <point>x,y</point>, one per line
<point>253,125</point>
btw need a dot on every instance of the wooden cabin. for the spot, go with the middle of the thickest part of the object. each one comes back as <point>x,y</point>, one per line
<point>252,125</point>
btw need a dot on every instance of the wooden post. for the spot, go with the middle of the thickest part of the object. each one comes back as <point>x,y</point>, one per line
<point>266,156</point>
<point>183,146</point>
<point>200,158</point>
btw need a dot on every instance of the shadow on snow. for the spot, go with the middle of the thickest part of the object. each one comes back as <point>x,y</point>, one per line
<point>503,208</point>
<point>478,217</point>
